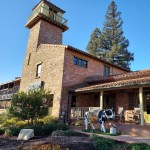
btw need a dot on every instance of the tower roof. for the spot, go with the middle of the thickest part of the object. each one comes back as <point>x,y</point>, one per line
<point>51,5</point>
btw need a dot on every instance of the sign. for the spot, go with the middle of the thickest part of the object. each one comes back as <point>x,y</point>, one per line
<point>35,85</point>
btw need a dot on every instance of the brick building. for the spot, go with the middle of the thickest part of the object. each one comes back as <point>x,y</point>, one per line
<point>76,79</point>
<point>55,66</point>
<point>6,92</point>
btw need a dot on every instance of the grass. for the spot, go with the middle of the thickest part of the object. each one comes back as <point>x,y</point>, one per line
<point>101,143</point>
<point>100,132</point>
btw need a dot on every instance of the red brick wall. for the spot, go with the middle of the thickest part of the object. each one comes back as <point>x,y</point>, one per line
<point>85,100</point>
<point>43,33</point>
<point>74,74</point>
<point>49,34</point>
<point>121,100</point>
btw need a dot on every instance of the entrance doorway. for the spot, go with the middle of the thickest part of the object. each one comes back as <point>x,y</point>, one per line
<point>147,108</point>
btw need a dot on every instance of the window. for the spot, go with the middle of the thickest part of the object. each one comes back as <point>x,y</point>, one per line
<point>73,101</point>
<point>52,13</point>
<point>29,58</point>
<point>84,63</point>
<point>106,71</point>
<point>75,60</point>
<point>38,71</point>
<point>80,62</point>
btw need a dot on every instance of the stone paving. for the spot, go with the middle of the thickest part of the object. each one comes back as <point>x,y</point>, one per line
<point>130,132</point>
<point>124,138</point>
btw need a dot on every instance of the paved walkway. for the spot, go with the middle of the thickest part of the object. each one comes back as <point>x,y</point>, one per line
<point>124,138</point>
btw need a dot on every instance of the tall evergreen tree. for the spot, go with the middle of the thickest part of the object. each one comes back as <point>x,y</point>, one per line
<point>111,44</point>
<point>115,47</point>
<point>93,45</point>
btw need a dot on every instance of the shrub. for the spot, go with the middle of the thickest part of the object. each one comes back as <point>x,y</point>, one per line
<point>49,119</point>
<point>12,131</point>
<point>14,122</point>
<point>29,106</point>
<point>139,146</point>
<point>58,133</point>
<point>2,131</point>
<point>3,118</point>
<point>65,133</point>
<point>71,133</point>
<point>62,126</point>
<point>78,123</point>
<point>10,122</point>
<point>103,143</point>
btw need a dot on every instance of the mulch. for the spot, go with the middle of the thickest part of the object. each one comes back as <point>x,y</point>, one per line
<point>63,142</point>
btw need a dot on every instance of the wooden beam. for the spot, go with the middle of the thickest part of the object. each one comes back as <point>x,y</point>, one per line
<point>141,105</point>
<point>101,100</point>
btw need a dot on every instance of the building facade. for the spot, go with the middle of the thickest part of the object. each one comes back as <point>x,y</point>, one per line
<point>56,67</point>
<point>77,80</point>
<point>6,92</point>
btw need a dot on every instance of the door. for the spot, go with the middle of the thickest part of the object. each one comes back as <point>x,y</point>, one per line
<point>147,109</point>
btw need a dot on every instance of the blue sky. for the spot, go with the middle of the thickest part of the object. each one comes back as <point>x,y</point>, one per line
<point>83,16</point>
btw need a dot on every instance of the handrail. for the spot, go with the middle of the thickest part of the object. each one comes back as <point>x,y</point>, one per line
<point>78,112</point>
<point>48,13</point>
<point>6,96</point>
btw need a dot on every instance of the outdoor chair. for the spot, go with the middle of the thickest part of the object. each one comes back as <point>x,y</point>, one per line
<point>134,115</point>
<point>120,114</point>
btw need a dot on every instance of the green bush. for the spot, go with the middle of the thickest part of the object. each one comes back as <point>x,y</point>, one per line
<point>10,122</point>
<point>58,133</point>
<point>2,131</point>
<point>139,146</point>
<point>12,127</point>
<point>65,133</point>
<point>14,122</point>
<point>48,119</point>
<point>71,133</point>
<point>78,123</point>
<point>12,131</point>
<point>62,126</point>
<point>103,143</point>
<point>3,118</point>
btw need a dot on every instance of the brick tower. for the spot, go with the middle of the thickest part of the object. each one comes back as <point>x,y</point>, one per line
<point>46,24</point>
<point>43,65</point>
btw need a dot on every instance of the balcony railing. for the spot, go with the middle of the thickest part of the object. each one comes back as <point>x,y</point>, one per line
<point>6,94</point>
<point>6,97</point>
<point>44,11</point>
<point>78,112</point>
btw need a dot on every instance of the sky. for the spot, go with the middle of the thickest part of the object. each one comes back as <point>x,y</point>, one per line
<point>83,17</point>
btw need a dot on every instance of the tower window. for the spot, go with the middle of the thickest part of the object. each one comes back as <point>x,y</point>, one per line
<point>106,71</point>
<point>52,13</point>
<point>29,58</point>
<point>38,70</point>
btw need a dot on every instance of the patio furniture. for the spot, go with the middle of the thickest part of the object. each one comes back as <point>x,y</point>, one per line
<point>133,115</point>
<point>120,114</point>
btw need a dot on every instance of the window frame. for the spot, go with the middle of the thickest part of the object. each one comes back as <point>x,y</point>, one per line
<point>38,75</point>
<point>106,71</point>
<point>80,62</point>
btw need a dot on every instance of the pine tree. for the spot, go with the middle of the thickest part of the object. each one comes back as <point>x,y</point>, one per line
<point>115,44</point>
<point>93,45</point>
<point>111,44</point>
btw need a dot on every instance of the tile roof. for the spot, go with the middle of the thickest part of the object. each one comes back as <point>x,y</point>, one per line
<point>17,79</point>
<point>119,81</point>
<point>126,76</point>
<point>50,4</point>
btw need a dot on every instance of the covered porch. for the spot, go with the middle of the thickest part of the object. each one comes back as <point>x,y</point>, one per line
<point>128,93</point>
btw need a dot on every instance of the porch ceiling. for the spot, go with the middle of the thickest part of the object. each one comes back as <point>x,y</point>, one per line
<point>130,83</point>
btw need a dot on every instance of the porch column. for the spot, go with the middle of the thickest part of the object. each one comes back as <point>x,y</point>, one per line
<point>101,100</point>
<point>141,105</point>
